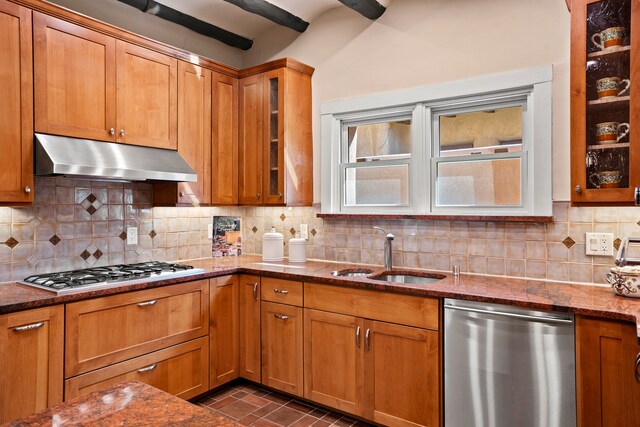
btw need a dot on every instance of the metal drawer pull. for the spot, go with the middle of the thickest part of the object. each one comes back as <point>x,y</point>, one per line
<point>637,367</point>
<point>358,337</point>
<point>514,315</point>
<point>366,339</point>
<point>29,327</point>
<point>145,304</point>
<point>255,291</point>
<point>148,368</point>
<point>280,316</point>
<point>281,291</point>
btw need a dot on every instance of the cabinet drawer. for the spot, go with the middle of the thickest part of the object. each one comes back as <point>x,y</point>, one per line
<point>108,330</point>
<point>282,291</point>
<point>181,370</point>
<point>395,308</point>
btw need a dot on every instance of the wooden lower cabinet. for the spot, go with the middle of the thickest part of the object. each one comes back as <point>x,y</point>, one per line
<point>223,335</point>
<point>249,333</point>
<point>182,370</point>
<point>282,359</point>
<point>607,373</point>
<point>31,358</point>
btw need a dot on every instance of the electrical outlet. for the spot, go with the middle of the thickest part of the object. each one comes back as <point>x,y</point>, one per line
<point>132,235</point>
<point>210,231</point>
<point>599,244</point>
<point>304,231</point>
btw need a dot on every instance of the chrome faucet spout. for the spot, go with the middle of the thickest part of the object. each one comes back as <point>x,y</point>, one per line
<point>388,248</point>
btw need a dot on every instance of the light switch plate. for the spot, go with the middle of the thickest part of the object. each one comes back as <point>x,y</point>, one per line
<point>132,235</point>
<point>209,231</point>
<point>304,231</point>
<point>599,244</point>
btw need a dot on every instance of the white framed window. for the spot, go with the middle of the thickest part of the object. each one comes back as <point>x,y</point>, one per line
<point>475,147</point>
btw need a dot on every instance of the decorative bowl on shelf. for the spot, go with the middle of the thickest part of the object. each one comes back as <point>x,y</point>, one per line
<point>625,281</point>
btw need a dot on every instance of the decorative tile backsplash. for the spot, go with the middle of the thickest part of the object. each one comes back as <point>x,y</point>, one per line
<point>78,223</point>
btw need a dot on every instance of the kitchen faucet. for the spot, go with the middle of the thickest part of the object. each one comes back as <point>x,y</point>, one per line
<point>388,250</point>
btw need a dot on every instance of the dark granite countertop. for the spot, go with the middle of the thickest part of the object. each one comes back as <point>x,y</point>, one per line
<point>592,300</point>
<point>129,403</point>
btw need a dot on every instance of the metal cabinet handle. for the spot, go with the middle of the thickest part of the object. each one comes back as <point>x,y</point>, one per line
<point>28,327</point>
<point>637,366</point>
<point>112,131</point>
<point>121,132</point>
<point>281,291</point>
<point>280,316</point>
<point>358,337</point>
<point>279,195</point>
<point>578,189</point>
<point>27,189</point>
<point>255,291</point>
<point>258,195</point>
<point>182,194</point>
<point>148,368</point>
<point>147,303</point>
<point>366,339</point>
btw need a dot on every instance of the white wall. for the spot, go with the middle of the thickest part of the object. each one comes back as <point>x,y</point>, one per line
<point>130,18</point>
<point>420,42</point>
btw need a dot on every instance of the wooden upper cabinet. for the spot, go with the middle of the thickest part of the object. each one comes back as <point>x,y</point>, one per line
<point>250,140</point>
<point>224,177</point>
<point>16,108</point>
<point>605,116</point>
<point>607,373</point>
<point>146,97</point>
<point>31,358</point>
<point>75,80</point>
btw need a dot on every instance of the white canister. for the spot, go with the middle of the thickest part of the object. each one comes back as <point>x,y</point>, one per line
<point>297,249</point>
<point>272,246</point>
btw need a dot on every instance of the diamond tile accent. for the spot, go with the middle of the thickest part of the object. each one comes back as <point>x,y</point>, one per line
<point>33,260</point>
<point>292,231</point>
<point>54,240</point>
<point>314,232</point>
<point>254,229</point>
<point>283,217</point>
<point>568,242</point>
<point>85,255</point>
<point>97,254</point>
<point>123,235</point>
<point>153,234</point>
<point>91,204</point>
<point>11,242</point>
<point>91,198</point>
<point>91,210</point>
<point>638,222</point>
<point>616,243</point>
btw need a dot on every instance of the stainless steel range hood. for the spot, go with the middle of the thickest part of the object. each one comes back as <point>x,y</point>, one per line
<point>60,155</point>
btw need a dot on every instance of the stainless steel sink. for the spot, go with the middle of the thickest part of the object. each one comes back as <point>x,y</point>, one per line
<point>352,272</point>
<point>409,278</point>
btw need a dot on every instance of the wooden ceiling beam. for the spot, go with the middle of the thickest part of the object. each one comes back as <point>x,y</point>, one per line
<point>161,11</point>
<point>368,8</point>
<point>273,13</point>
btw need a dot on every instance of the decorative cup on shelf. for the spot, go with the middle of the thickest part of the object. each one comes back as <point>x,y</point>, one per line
<point>611,132</point>
<point>606,179</point>
<point>610,37</point>
<point>611,87</point>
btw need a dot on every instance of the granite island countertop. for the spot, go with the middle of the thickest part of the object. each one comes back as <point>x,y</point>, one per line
<point>591,300</point>
<point>129,403</point>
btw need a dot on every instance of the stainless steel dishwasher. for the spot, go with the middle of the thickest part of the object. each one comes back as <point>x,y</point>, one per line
<point>505,366</point>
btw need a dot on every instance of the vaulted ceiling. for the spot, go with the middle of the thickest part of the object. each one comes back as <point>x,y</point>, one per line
<point>238,22</point>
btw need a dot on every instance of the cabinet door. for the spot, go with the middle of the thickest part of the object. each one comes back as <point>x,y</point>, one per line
<point>402,375</point>
<point>182,370</point>
<point>251,94</point>
<point>75,80</point>
<point>606,364</point>
<point>223,335</point>
<point>194,131</point>
<point>250,327</point>
<point>31,355</point>
<point>16,108</point>
<point>282,347</point>
<point>273,163</point>
<point>147,104</point>
<point>334,360</point>
<point>225,140</point>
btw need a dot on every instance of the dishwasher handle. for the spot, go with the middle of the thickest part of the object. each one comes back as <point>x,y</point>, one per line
<point>507,314</point>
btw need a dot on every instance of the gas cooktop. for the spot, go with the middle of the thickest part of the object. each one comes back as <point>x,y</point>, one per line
<point>87,279</point>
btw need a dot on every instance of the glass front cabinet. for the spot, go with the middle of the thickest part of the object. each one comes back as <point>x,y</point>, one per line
<point>605,74</point>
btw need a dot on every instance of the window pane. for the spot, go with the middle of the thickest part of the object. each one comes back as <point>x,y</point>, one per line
<point>377,185</point>
<point>479,183</point>
<point>379,141</point>
<point>481,132</point>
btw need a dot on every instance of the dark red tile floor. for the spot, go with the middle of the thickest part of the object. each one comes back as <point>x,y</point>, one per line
<point>250,405</point>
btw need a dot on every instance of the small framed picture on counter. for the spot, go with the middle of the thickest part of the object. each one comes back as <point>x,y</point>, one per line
<point>227,236</point>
